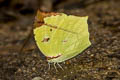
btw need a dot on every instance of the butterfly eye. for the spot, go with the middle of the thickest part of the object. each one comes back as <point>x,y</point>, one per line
<point>45,40</point>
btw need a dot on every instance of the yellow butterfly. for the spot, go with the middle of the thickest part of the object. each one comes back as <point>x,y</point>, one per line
<point>59,36</point>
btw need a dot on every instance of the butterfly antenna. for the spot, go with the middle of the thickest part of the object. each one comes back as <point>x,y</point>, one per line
<point>60,66</point>
<point>26,41</point>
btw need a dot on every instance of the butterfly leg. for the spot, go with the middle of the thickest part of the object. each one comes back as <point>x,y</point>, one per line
<point>60,66</point>
<point>55,67</point>
<point>49,66</point>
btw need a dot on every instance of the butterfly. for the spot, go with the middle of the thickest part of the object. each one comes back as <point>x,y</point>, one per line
<point>60,36</point>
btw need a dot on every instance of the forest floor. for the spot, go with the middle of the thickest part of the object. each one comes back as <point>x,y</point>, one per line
<point>101,61</point>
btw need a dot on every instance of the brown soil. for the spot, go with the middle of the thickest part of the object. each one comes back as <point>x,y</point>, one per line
<point>101,61</point>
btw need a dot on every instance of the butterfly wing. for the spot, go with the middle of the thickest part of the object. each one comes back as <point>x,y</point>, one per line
<point>62,37</point>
